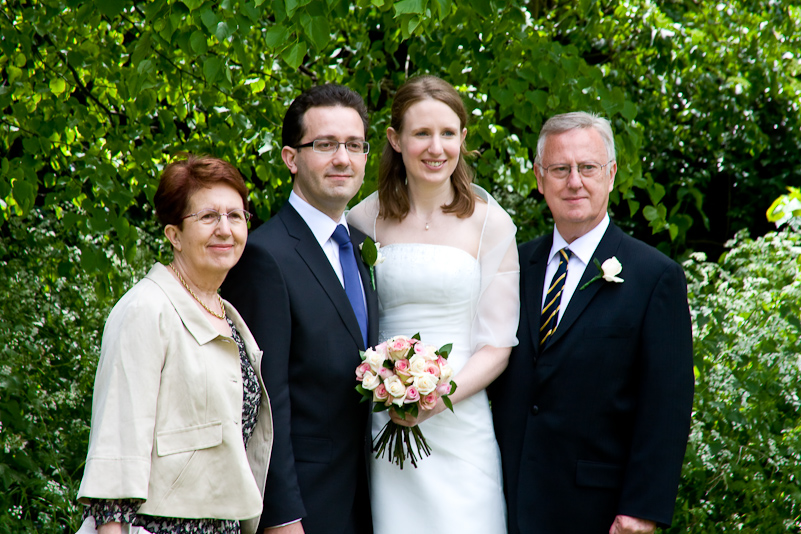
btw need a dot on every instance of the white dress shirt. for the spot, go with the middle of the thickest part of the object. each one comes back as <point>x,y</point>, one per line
<point>323,226</point>
<point>582,248</point>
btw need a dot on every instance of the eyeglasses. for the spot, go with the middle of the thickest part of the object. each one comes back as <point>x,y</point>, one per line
<point>210,216</point>
<point>329,146</point>
<point>587,169</point>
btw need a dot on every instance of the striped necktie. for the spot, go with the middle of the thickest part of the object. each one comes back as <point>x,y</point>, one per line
<point>550,311</point>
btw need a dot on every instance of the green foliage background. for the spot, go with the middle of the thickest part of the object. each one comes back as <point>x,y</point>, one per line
<point>98,96</point>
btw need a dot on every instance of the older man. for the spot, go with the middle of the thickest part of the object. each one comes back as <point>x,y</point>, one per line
<point>593,412</point>
<point>300,287</point>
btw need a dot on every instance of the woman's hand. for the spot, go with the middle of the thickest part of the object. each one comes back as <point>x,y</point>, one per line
<point>110,528</point>
<point>422,415</point>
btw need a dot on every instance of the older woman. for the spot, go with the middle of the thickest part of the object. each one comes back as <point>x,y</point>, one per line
<point>181,425</point>
<point>450,273</point>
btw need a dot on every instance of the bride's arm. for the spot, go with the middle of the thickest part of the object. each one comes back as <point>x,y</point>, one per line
<point>479,371</point>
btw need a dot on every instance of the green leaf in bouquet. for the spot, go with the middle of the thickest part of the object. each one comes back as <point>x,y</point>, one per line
<point>445,350</point>
<point>380,407</point>
<point>447,402</point>
<point>453,387</point>
<point>416,336</point>
<point>366,395</point>
<point>388,364</point>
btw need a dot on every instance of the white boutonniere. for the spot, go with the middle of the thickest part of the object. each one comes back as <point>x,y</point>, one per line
<point>608,271</point>
<point>371,256</point>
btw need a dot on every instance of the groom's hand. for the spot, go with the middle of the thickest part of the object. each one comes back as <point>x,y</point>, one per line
<point>631,525</point>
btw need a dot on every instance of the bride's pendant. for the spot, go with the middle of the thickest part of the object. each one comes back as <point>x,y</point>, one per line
<point>426,226</point>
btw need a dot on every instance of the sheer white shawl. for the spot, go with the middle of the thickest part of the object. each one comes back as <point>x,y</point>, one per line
<point>497,310</point>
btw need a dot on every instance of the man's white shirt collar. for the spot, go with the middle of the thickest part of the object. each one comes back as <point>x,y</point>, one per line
<point>583,247</point>
<point>321,225</point>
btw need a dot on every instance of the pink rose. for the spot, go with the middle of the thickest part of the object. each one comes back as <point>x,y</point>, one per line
<point>385,373</point>
<point>444,389</point>
<point>402,370</point>
<point>363,368</point>
<point>412,395</point>
<point>427,402</point>
<point>380,393</point>
<point>398,346</point>
<point>433,369</point>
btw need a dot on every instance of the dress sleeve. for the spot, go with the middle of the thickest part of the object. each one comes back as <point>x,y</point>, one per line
<point>108,511</point>
<point>364,215</point>
<point>498,308</point>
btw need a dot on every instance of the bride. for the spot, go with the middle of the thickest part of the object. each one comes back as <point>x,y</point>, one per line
<point>450,273</point>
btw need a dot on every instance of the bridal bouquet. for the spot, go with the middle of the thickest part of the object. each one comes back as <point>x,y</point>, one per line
<point>407,375</point>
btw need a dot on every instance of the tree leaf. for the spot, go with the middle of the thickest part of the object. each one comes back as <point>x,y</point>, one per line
<point>57,86</point>
<point>276,36</point>
<point>294,55</point>
<point>212,69</point>
<point>318,31</point>
<point>110,8</point>
<point>209,20</point>
<point>199,42</point>
<point>412,7</point>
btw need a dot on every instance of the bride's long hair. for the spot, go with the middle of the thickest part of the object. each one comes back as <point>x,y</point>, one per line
<point>393,193</point>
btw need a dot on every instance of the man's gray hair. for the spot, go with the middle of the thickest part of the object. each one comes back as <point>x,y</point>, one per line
<point>573,121</point>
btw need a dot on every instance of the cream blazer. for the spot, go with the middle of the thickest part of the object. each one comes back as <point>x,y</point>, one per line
<point>167,410</point>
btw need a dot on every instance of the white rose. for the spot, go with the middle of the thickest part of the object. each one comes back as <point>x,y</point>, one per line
<point>426,383</point>
<point>379,257</point>
<point>374,359</point>
<point>418,365</point>
<point>395,388</point>
<point>446,373</point>
<point>370,381</point>
<point>610,269</point>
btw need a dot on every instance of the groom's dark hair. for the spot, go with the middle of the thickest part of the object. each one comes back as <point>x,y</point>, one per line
<point>328,95</point>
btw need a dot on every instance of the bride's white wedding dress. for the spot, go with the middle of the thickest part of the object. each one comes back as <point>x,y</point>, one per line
<point>439,291</point>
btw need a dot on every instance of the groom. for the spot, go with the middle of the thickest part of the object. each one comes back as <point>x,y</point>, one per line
<point>593,411</point>
<point>305,293</point>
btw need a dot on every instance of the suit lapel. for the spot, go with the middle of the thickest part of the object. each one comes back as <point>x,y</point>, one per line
<point>534,279</point>
<point>581,297</point>
<point>308,248</point>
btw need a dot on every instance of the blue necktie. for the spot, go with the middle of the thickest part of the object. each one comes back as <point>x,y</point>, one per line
<point>550,311</point>
<point>350,273</point>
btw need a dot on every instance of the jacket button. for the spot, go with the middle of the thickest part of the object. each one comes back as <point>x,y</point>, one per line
<point>535,410</point>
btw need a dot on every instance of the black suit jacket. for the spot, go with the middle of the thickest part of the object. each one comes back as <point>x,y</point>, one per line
<point>596,424</point>
<point>290,297</point>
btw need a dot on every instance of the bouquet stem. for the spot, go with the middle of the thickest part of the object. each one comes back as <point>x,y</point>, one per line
<point>396,441</point>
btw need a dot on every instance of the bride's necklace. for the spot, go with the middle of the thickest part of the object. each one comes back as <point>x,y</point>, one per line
<point>426,222</point>
<point>219,298</point>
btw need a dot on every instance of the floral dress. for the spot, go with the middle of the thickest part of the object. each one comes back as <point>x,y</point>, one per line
<point>124,510</point>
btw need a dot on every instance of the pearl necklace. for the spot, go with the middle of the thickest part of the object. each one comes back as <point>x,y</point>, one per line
<point>421,219</point>
<point>219,298</point>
